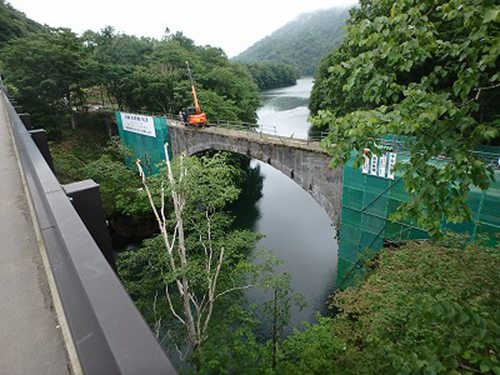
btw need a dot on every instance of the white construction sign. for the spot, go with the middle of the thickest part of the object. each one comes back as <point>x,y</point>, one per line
<point>382,166</point>
<point>138,124</point>
<point>373,165</point>
<point>392,162</point>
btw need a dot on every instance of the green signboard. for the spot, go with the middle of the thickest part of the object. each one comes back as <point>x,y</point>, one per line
<point>145,136</point>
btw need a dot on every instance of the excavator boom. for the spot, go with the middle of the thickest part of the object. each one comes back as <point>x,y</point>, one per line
<point>199,118</point>
<point>195,98</point>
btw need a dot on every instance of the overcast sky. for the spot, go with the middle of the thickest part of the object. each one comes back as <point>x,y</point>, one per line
<point>233,25</point>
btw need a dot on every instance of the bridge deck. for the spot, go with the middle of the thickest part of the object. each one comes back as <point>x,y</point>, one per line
<point>30,340</point>
<point>256,136</point>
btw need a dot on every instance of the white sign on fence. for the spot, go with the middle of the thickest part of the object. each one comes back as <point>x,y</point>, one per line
<point>392,162</point>
<point>144,125</point>
<point>382,166</point>
<point>373,165</point>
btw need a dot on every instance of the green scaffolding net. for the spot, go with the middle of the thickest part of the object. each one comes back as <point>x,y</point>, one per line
<point>371,194</point>
<point>145,136</point>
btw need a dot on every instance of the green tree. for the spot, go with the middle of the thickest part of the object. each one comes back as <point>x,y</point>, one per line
<point>49,72</point>
<point>278,309</point>
<point>87,153</point>
<point>428,72</point>
<point>53,72</point>
<point>159,83</point>
<point>423,309</point>
<point>113,59</point>
<point>201,251</point>
<point>233,83</point>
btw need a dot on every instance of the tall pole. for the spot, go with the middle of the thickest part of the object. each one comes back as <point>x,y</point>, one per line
<point>195,98</point>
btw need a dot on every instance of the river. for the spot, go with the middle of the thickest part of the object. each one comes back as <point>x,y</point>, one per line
<point>296,229</point>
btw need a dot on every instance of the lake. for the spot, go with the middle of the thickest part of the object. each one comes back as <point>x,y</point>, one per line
<point>296,229</point>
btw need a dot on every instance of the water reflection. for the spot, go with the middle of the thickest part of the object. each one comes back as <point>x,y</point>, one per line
<point>245,209</point>
<point>297,230</point>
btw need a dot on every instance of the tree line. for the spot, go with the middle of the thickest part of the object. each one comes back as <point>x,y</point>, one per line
<point>269,75</point>
<point>57,74</point>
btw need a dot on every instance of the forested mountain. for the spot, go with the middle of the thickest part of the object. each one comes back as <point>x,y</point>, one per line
<point>14,24</point>
<point>301,42</point>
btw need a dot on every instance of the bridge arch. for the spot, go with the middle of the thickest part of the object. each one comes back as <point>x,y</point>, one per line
<point>304,163</point>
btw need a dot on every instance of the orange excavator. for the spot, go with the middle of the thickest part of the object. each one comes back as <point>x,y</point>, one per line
<point>196,117</point>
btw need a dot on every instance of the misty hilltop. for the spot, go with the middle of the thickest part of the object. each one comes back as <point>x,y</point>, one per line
<point>301,42</point>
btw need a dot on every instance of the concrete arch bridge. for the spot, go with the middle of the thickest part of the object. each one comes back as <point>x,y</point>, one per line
<point>305,162</point>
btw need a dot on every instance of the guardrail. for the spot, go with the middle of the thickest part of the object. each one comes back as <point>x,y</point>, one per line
<point>107,331</point>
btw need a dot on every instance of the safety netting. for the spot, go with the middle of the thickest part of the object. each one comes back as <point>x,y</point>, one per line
<point>373,192</point>
<point>145,137</point>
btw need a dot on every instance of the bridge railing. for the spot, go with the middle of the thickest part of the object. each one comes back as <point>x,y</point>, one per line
<point>107,332</point>
<point>245,126</point>
<point>317,135</point>
<point>312,135</point>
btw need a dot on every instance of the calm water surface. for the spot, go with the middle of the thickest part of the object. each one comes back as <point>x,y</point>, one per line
<point>285,109</point>
<point>296,228</point>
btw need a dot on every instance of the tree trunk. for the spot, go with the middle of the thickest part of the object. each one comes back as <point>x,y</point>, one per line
<point>71,113</point>
<point>102,97</point>
<point>275,328</point>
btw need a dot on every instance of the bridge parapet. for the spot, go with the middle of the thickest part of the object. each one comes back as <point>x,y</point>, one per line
<point>105,334</point>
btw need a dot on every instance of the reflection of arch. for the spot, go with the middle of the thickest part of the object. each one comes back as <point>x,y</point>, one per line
<point>305,166</point>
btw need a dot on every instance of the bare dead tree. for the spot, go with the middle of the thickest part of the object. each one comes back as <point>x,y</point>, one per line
<point>197,309</point>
